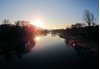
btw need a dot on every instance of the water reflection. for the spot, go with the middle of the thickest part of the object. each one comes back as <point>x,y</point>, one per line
<point>15,49</point>
<point>52,50</point>
<point>87,51</point>
<point>82,49</point>
<point>37,38</point>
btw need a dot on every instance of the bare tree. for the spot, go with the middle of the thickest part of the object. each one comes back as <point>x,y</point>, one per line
<point>6,21</point>
<point>89,18</point>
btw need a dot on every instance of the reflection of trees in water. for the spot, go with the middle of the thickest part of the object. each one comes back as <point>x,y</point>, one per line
<point>16,49</point>
<point>54,33</point>
<point>82,49</point>
<point>87,52</point>
<point>82,39</point>
<point>15,41</point>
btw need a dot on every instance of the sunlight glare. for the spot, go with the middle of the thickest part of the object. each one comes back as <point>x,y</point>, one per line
<point>38,23</point>
<point>37,38</point>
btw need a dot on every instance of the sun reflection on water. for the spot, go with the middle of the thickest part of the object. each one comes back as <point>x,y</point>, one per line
<point>37,38</point>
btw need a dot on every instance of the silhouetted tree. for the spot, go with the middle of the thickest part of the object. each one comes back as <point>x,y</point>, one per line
<point>17,23</point>
<point>5,21</point>
<point>89,17</point>
<point>16,39</point>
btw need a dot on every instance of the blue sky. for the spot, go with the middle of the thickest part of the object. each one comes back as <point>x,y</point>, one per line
<point>52,13</point>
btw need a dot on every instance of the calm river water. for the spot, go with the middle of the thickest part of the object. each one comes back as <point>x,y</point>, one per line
<point>48,52</point>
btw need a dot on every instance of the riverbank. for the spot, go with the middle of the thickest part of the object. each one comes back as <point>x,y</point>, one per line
<point>86,37</point>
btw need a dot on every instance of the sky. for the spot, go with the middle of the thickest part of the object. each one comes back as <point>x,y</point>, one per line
<point>52,13</point>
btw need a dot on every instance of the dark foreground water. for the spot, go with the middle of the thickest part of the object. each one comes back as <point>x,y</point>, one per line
<point>49,52</point>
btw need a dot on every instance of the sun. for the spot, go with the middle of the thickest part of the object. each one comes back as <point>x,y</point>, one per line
<point>38,23</point>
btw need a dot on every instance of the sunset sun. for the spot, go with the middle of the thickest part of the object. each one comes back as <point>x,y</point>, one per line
<point>38,23</point>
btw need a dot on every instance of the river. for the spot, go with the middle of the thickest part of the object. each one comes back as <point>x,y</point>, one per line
<point>49,52</point>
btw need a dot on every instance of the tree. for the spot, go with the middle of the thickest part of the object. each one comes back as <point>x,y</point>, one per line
<point>17,23</point>
<point>6,21</point>
<point>89,18</point>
